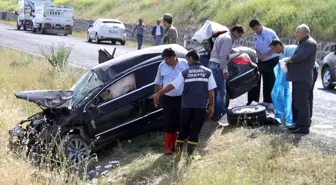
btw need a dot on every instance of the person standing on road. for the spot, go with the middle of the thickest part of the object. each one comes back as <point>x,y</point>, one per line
<point>157,33</point>
<point>197,83</point>
<point>168,70</point>
<point>267,60</point>
<point>139,29</point>
<point>300,73</point>
<point>218,64</point>
<point>170,34</point>
<point>287,51</point>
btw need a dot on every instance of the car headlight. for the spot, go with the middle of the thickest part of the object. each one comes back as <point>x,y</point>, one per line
<point>16,131</point>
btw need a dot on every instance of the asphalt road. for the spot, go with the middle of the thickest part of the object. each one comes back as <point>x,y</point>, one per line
<point>86,55</point>
<point>83,54</point>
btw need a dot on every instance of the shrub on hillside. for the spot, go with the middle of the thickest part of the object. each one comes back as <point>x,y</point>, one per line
<point>57,56</point>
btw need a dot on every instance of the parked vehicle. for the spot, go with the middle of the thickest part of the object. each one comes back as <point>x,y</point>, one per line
<point>107,30</point>
<point>53,19</point>
<point>25,13</point>
<point>242,65</point>
<point>328,69</point>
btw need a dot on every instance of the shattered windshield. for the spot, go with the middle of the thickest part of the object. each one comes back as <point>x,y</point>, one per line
<point>85,85</point>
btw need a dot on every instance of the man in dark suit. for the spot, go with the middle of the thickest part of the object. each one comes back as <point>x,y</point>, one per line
<point>157,33</point>
<point>300,73</point>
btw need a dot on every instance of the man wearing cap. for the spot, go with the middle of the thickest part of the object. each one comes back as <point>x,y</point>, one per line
<point>157,33</point>
<point>168,70</point>
<point>170,35</point>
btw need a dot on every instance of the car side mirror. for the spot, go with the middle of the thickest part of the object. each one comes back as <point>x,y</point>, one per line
<point>15,12</point>
<point>90,26</point>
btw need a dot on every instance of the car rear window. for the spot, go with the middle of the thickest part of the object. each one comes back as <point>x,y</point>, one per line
<point>111,22</point>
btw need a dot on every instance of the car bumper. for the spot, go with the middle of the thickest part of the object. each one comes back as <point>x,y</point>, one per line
<point>118,37</point>
<point>57,31</point>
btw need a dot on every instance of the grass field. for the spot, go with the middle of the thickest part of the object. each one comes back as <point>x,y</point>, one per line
<point>282,15</point>
<point>224,156</point>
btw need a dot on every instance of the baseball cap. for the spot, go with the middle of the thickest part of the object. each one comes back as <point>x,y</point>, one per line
<point>167,16</point>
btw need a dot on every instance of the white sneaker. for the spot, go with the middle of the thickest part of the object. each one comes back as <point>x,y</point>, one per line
<point>223,121</point>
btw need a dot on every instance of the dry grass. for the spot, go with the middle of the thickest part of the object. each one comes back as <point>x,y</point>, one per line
<point>226,156</point>
<point>21,72</point>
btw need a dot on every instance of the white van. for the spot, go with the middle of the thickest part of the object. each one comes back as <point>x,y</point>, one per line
<point>53,19</point>
<point>25,13</point>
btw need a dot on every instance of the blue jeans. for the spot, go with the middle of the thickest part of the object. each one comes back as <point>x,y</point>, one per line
<point>139,40</point>
<point>220,91</point>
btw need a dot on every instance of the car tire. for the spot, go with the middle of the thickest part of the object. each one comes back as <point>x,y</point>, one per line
<point>74,148</point>
<point>249,115</point>
<point>123,43</point>
<point>88,38</point>
<point>97,39</point>
<point>113,42</point>
<point>327,78</point>
<point>33,30</point>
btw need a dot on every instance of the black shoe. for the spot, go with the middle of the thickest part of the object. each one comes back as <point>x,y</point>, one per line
<point>300,130</point>
<point>292,127</point>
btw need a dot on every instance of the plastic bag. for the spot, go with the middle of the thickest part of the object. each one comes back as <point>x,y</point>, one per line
<point>281,97</point>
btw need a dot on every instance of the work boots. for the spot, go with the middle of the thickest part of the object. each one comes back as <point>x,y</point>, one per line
<point>179,148</point>
<point>168,137</point>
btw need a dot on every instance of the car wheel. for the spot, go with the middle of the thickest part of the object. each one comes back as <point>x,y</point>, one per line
<point>88,38</point>
<point>113,42</point>
<point>327,79</point>
<point>74,149</point>
<point>123,43</point>
<point>249,115</point>
<point>97,39</point>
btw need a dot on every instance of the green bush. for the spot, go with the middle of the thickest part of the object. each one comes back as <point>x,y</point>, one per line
<point>57,56</point>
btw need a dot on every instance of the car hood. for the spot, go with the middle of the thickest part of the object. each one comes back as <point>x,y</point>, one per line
<point>53,99</point>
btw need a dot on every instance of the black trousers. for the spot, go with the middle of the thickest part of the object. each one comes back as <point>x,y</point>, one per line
<point>254,93</point>
<point>192,120</point>
<point>301,104</point>
<point>171,113</point>
<point>268,77</point>
<point>311,92</point>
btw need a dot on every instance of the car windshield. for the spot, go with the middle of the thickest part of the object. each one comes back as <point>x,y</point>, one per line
<point>85,85</point>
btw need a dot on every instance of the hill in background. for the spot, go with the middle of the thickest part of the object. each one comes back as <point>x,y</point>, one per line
<point>281,15</point>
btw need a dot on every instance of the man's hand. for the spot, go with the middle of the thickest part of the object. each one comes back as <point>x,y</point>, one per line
<point>156,98</point>
<point>210,111</point>
<point>226,75</point>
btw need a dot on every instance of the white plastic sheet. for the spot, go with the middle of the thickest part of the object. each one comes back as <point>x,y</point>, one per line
<point>207,30</point>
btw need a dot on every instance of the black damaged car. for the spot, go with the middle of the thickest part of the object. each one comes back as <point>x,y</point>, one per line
<point>111,102</point>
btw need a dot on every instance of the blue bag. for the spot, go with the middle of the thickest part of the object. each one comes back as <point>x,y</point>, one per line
<point>281,97</point>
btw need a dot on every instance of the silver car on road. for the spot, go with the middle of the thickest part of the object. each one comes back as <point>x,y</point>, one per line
<point>107,30</point>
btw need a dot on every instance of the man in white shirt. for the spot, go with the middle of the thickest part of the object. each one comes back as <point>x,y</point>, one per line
<point>157,33</point>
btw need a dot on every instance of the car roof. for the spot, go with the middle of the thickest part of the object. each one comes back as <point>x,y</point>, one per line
<point>109,70</point>
<point>115,20</point>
